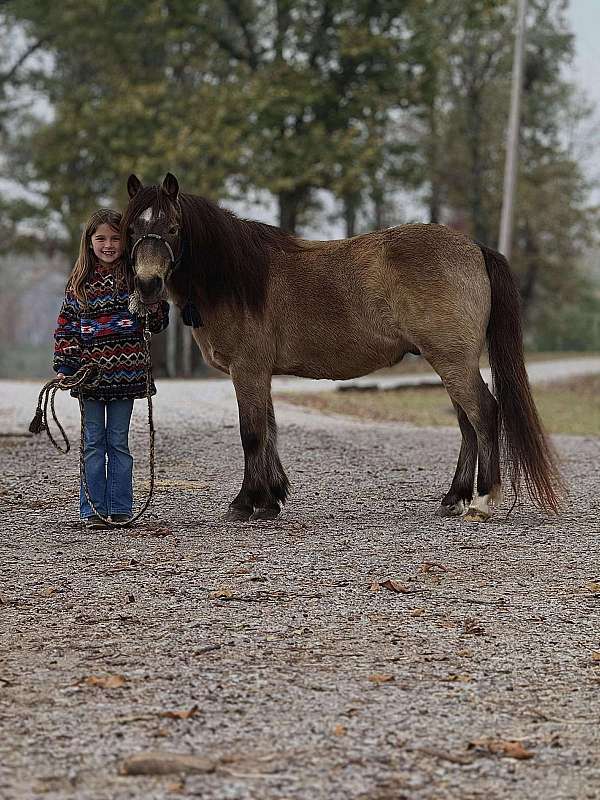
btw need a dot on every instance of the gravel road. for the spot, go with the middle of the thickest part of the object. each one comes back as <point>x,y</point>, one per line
<point>275,655</point>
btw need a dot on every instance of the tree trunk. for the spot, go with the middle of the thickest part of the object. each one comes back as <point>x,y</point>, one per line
<point>378,198</point>
<point>172,346</point>
<point>351,205</point>
<point>290,207</point>
<point>474,138</point>
<point>532,269</point>
<point>433,165</point>
<point>187,345</point>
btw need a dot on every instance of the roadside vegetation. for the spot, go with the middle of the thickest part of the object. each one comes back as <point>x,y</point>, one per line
<point>567,407</point>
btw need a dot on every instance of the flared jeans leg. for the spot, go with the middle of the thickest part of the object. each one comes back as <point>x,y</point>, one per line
<point>119,472</point>
<point>94,457</point>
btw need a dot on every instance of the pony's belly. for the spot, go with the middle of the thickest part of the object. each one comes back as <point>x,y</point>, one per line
<point>342,361</point>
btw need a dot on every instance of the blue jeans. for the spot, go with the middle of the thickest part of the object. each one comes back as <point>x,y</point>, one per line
<point>108,462</point>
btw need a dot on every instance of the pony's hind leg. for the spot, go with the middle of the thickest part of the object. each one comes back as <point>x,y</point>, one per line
<point>459,496</point>
<point>467,389</point>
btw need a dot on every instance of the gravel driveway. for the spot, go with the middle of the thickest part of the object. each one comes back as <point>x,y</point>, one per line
<point>357,648</point>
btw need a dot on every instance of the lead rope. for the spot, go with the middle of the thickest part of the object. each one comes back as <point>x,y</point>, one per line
<point>48,394</point>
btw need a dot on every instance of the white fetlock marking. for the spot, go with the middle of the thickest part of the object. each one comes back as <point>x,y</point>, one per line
<point>481,502</point>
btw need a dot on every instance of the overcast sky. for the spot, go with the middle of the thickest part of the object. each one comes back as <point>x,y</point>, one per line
<point>585,21</point>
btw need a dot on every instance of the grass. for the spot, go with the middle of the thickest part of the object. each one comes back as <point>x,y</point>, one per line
<point>571,407</point>
<point>415,364</point>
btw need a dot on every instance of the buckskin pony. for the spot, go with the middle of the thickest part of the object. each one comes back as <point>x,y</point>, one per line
<point>271,303</point>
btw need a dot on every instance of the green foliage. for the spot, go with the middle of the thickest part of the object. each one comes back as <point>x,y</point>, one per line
<point>356,98</point>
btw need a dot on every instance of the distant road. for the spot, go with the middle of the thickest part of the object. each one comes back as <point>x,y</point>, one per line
<point>538,371</point>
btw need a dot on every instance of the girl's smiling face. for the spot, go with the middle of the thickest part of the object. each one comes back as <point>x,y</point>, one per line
<point>106,244</point>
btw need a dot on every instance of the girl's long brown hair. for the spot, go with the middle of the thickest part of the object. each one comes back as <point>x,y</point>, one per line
<point>87,262</point>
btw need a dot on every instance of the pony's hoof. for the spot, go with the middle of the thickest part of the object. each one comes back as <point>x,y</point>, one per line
<point>271,512</point>
<point>454,510</point>
<point>235,514</point>
<point>476,515</point>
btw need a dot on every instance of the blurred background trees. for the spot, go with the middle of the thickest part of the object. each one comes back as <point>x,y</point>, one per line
<point>330,112</point>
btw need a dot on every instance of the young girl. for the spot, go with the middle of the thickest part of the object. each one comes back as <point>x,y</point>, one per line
<point>95,325</point>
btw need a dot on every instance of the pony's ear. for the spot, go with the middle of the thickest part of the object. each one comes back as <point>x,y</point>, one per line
<point>134,184</point>
<point>171,186</point>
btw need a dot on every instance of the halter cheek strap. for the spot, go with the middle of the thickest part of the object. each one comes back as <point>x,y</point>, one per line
<point>189,313</point>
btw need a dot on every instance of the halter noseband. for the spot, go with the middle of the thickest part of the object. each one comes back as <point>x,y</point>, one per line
<point>175,262</point>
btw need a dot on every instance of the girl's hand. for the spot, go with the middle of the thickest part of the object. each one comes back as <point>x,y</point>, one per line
<point>60,376</point>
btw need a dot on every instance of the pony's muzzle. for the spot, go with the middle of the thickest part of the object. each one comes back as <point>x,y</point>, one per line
<point>149,289</point>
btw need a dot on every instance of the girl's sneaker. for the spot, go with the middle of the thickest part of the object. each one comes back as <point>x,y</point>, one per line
<point>122,518</point>
<point>94,523</point>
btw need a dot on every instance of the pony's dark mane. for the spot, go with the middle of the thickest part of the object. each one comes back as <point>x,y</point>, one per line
<point>228,258</point>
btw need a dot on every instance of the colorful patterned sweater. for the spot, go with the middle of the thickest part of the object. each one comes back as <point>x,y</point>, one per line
<point>105,333</point>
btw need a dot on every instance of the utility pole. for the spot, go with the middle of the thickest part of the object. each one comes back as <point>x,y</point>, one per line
<point>512,143</point>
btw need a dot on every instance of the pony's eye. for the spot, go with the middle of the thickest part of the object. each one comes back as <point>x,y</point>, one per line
<point>173,230</point>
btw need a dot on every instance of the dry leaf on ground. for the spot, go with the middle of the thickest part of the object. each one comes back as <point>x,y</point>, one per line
<point>454,677</point>
<point>106,681</point>
<point>180,714</point>
<point>380,677</point>
<point>375,587</point>
<point>222,592</point>
<point>596,655</point>
<point>428,566</point>
<point>340,730</point>
<point>48,591</point>
<point>593,587</point>
<point>395,586</point>
<point>505,748</point>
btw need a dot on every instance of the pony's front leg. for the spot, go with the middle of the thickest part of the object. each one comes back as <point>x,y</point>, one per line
<point>265,483</point>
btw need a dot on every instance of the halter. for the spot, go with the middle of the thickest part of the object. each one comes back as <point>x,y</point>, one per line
<point>175,262</point>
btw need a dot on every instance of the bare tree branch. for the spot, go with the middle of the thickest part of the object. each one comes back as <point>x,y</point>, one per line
<point>8,76</point>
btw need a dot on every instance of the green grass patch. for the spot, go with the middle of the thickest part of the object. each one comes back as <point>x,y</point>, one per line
<point>571,407</point>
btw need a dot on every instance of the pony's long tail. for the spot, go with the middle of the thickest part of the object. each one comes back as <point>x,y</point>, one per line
<point>524,446</point>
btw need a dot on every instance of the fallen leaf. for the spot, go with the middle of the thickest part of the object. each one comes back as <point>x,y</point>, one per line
<point>457,678</point>
<point>593,587</point>
<point>180,714</point>
<point>596,656</point>
<point>157,763</point>
<point>505,748</point>
<point>221,592</point>
<point>48,591</point>
<point>106,681</point>
<point>416,612</point>
<point>395,586</point>
<point>428,566</point>
<point>375,587</point>
<point>340,730</point>
<point>178,787</point>
<point>379,677</point>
